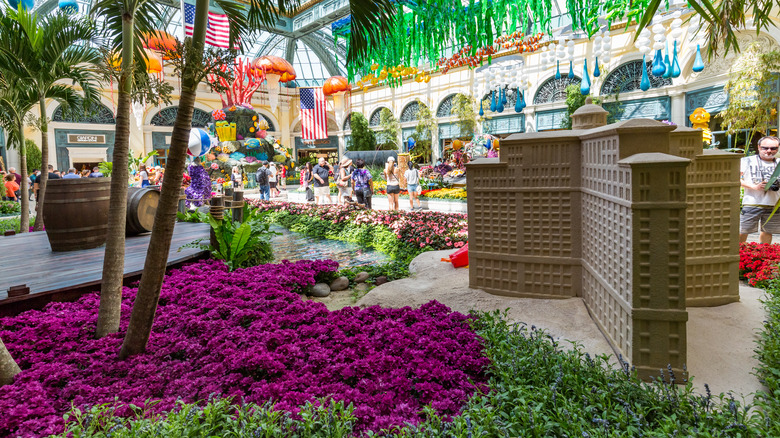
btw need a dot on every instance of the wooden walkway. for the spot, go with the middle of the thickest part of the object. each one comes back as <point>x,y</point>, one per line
<point>64,276</point>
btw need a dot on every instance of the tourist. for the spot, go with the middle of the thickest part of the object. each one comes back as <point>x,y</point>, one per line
<point>283,176</point>
<point>261,176</point>
<point>96,173</point>
<point>237,177</point>
<point>34,184</point>
<point>306,179</point>
<point>320,173</point>
<point>11,187</point>
<point>393,185</point>
<point>344,180</point>
<point>53,174</point>
<point>143,176</point>
<point>364,185</point>
<point>85,173</point>
<point>272,180</point>
<point>757,204</point>
<point>413,185</point>
<point>17,179</point>
<point>72,174</point>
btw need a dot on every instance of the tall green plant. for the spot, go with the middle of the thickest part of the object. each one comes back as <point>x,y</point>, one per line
<point>362,138</point>
<point>391,129</point>
<point>33,156</point>
<point>463,108</point>
<point>426,126</point>
<point>753,92</point>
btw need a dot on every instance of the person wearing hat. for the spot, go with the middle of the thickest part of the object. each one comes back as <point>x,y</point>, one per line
<point>393,184</point>
<point>344,180</point>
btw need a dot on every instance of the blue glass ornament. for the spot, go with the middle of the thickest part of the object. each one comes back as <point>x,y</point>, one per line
<point>493,101</point>
<point>667,63</point>
<point>596,71</point>
<point>658,64</point>
<point>26,4</point>
<point>481,111</point>
<point>571,69</point>
<point>644,84</point>
<point>519,104</point>
<point>503,97</point>
<point>500,104</point>
<point>69,7</point>
<point>698,64</point>
<point>558,70</point>
<point>675,65</point>
<point>585,83</point>
<point>522,100</point>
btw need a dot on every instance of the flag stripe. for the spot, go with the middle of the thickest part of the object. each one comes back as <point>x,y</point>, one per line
<point>218,30</point>
<point>314,115</point>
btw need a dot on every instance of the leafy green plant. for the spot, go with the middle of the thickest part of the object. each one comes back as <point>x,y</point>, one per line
<point>12,224</point>
<point>106,167</point>
<point>426,125</point>
<point>463,108</point>
<point>362,138</point>
<point>10,207</point>
<point>388,137</point>
<point>33,156</point>
<point>192,216</point>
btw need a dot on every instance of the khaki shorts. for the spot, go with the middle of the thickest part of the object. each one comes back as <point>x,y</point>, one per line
<point>322,191</point>
<point>750,217</point>
<point>345,191</point>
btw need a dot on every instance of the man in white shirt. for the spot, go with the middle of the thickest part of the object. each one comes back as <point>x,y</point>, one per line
<point>758,202</point>
<point>272,171</point>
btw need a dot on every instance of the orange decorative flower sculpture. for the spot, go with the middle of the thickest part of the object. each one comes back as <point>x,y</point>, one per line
<point>274,65</point>
<point>161,41</point>
<point>335,84</point>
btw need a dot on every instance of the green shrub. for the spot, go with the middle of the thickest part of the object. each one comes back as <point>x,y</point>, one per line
<point>33,156</point>
<point>12,224</point>
<point>10,207</point>
<point>768,354</point>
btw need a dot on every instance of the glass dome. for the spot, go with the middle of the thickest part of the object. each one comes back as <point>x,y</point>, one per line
<point>305,40</point>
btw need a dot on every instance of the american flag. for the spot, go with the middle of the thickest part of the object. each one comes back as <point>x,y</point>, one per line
<point>218,30</point>
<point>314,119</point>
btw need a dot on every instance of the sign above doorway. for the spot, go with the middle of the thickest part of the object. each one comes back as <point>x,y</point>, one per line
<point>86,139</point>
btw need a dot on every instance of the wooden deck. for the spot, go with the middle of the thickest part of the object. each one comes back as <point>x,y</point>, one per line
<point>27,259</point>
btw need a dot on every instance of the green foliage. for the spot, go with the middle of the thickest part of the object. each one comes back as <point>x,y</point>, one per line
<point>33,156</point>
<point>12,224</point>
<point>10,207</point>
<point>768,354</point>
<point>216,418</point>
<point>753,91</point>
<point>391,129</point>
<point>575,100</point>
<point>240,245</point>
<point>362,138</point>
<point>426,125</point>
<point>463,108</point>
<point>106,168</point>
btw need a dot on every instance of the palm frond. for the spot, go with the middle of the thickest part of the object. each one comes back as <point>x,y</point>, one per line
<point>371,22</point>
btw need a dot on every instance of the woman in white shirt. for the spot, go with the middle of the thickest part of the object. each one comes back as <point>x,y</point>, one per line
<point>393,185</point>
<point>412,176</point>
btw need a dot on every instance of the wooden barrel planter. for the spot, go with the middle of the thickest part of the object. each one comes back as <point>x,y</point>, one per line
<point>141,208</point>
<point>76,212</point>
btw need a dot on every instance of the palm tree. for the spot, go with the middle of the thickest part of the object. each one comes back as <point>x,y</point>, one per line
<point>44,53</point>
<point>126,21</point>
<point>371,19</point>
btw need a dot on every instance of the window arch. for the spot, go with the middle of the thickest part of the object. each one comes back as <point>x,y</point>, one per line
<point>348,123</point>
<point>100,114</point>
<point>375,117</point>
<point>410,112</point>
<point>628,76</point>
<point>511,99</point>
<point>554,90</point>
<point>200,118</point>
<point>445,107</point>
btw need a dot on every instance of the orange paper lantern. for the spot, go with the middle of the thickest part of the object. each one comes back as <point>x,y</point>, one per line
<point>335,84</point>
<point>274,65</point>
<point>161,41</point>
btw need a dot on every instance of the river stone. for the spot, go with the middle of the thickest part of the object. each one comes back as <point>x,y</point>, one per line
<point>320,290</point>
<point>361,287</point>
<point>340,283</point>
<point>361,277</point>
<point>381,280</point>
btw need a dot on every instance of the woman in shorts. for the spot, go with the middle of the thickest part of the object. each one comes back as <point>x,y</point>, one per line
<point>413,185</point>
<point>393,185</point>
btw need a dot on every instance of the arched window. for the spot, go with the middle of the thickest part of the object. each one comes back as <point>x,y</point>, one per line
<point>628,76</point>
<point>410,112</point>
<point>348,123</point>
<point>167,117</point>
<point>375,117</point>
<point>445,107</point>
<point>554,90</point>
<point>98,114</point>
<point>511,99</point>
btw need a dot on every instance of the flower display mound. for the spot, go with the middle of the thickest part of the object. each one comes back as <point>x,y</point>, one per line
<point>758,263</point>
<point>245,334</point>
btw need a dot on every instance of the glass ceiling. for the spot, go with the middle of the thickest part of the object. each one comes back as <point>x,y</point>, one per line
<point>311,51</point>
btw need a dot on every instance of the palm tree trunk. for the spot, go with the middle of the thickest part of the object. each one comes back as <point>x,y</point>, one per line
<point>24,220</point>
<point>145,305</point>
<point>114,261</point>
<point>8,366</point>
<point>44,168</point>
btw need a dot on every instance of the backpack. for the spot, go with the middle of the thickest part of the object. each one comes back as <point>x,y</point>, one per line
<point>262,177</point>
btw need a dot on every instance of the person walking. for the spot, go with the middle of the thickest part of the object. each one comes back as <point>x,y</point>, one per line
<point>11,187</point>
<point>306,181</point>
<point>344,180</point>
<point>364,185</point>
<point>393,185</point>
<point>261,176</point>
<point>143,175</point>
<point>72,174</point>
<point>272,180</point>
<point>34,184</point>
<point>321,173</point>
<point>412,176</point>
<point>758,202</point>
<point>237,177</point>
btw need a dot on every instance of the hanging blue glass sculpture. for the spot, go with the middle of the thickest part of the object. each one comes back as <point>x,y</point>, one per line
<point>571,69</point>
<point>481,111</point>
<point>518,102</point>
<point>644,84</point>
<point>658,64</point>
<point>667,63</point>
<point>698,64</point>
<point>558,70</point>
<point>492,101</point>
<point>503,97</point>
<point>585,83</point>
<point>500,104</point>
<point>596,71</point>
<point>522,100</point>
<point>675,65</point>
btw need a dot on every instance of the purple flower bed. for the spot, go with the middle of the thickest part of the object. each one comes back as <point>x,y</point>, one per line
<point>245,334</point>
